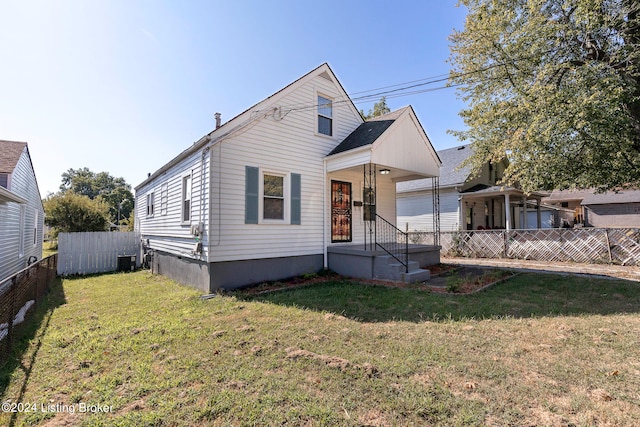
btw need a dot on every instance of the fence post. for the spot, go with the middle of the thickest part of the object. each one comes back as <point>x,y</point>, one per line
<point>606,236</point>
<point>12,313</point>
<point>505,239</point>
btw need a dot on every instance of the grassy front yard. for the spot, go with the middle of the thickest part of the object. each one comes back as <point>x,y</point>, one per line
<point>537,350</point>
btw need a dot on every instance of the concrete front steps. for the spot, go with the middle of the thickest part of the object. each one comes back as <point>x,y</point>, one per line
<point>386,267</point>
<point>359,261</point>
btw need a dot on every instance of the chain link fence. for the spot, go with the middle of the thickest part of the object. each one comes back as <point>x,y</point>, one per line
<point>20,294</point>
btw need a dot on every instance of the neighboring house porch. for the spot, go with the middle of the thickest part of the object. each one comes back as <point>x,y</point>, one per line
<point>501,208</point>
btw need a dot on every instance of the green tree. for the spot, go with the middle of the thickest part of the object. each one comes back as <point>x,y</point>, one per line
<point>379,108</point>
<point>71,212</point>
<point>115,192</point>
<point>554,84</point>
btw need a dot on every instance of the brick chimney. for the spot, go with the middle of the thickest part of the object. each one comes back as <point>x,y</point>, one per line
<point>217,116</point>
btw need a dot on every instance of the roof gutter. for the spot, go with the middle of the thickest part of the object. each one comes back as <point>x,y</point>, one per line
<point>8,196</point>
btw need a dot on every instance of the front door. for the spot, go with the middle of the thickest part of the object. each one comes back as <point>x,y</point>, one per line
<point>340,211</point>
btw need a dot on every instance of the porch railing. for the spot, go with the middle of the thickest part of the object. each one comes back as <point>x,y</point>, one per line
<point>393,241</point>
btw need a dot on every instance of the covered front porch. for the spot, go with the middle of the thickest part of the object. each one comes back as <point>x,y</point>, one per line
<point>498,208</point>
<point>361,236</point>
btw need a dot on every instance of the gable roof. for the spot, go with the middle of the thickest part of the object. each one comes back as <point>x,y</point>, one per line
<point>250,115</point>
<point>368,132</point>
<point>10,152</point>
<point>450,176</point>
<point>365,134</point>
<point>395,140</point>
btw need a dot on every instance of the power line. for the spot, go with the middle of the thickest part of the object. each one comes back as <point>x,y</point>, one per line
<point>400,89</point>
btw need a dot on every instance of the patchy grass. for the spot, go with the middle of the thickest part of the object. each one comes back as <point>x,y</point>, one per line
<point>49,248</point>
<point>536,350</point>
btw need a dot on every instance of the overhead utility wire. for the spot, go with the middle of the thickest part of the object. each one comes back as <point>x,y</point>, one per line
<point>393,93</point>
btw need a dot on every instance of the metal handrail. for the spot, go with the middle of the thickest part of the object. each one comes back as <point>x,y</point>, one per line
<point>393,241</point>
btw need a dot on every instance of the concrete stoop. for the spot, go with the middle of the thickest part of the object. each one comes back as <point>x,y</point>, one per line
<point>386,267</point>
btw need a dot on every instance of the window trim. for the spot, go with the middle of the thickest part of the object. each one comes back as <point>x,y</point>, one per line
<point>318,115</point>
<point>150,204</point>
<point>186,176</point>
<point>286,197</point>
<point>21,245</point>
<point>164,198</point>
<point>36,216</point>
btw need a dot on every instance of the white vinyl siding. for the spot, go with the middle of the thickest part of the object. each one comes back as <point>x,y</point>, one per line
<point>416,210</point>
<point>292,145</point>
<point>22,183</point>
<point>165,230</point>
<point>277,143</point>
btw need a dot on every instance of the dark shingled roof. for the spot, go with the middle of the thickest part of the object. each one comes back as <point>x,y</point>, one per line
<point>10,152</point>
<point>365,134</point>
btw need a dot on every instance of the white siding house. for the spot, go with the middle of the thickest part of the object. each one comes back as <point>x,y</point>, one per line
<point>252,200</point>
<point>21,211</point>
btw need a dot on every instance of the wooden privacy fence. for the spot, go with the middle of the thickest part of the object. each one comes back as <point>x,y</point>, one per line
<point>20,294</point>
<point>95,252</point>
<point>587,245</point>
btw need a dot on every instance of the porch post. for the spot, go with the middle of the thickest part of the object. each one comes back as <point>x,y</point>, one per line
<point>525,221</point>
<point>538,213</point>
<point>461,213</point>
<point>507,212</point>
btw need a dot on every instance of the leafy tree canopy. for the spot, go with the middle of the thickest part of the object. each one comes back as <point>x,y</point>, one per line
<point>379,108</point>
<point>554,84</point>
<point>71,212</point>
<point>115,192</point>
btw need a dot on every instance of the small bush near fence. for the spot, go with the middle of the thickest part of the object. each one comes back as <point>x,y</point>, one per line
<point>19,296</point>
<point>587,245</point>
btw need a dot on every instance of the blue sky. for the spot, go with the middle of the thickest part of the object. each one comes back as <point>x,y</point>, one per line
<point>125,85</point>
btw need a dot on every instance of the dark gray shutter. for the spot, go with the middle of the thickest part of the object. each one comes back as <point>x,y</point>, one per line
<point>252,177</point>
<point>295,198</point>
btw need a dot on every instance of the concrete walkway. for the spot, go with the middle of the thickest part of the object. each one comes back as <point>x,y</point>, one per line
<point>603,270</point>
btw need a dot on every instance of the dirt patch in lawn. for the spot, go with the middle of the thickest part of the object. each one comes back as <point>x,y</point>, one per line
<point>445,278</point>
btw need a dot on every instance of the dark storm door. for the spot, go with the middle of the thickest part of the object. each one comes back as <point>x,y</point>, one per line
<point>340,211</point>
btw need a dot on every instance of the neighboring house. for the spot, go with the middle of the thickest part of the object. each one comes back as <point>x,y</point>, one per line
<point>590,209</point>
<point>273,192</point>
<point>21,211</point>
<point>468,202</point>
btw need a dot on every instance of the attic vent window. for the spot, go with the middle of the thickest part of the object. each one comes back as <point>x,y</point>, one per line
<point>325,116</point>
<point>4,180</point>
<point>325,75</point>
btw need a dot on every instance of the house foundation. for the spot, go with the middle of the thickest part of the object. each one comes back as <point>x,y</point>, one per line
<point>210,277</point>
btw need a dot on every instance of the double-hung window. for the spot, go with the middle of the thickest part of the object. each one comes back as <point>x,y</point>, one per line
<point>273,197</point>
<point>150,204</point>
<point>35,227</point>
<point>186,198</point>
<point>325,116</point>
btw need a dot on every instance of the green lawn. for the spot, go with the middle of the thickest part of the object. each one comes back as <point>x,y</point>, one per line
<point>536,350</point>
